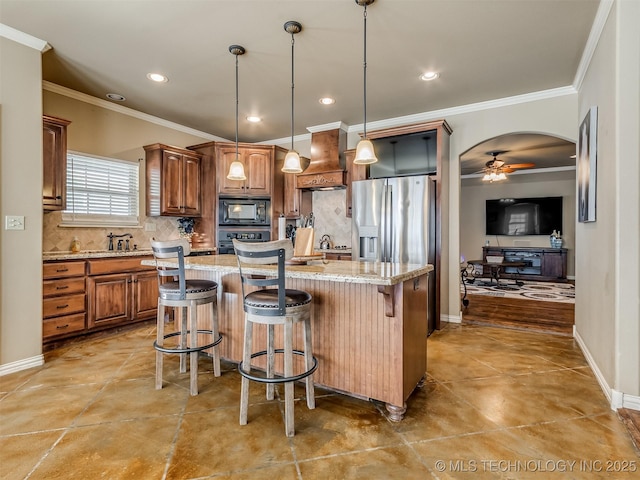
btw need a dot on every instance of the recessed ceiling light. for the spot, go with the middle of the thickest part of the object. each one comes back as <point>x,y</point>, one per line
<point>157,77</point>
<point>254,119</point>
<point>327,101</point>
<point>428,76</point>
<point>115,96</point>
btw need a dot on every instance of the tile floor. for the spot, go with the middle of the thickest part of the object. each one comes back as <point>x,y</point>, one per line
<point>496,403</point>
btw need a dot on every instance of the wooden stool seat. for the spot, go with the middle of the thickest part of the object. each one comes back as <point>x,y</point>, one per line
<point>271,307</point>
<point>185,295</point>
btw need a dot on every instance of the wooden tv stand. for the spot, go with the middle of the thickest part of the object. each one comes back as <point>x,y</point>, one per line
<point>542,264</point>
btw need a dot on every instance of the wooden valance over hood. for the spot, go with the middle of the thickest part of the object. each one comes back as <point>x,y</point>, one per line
<point>327,168</point>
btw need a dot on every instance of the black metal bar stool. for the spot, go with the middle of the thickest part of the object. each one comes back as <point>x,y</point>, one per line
<point>185,295</point>
<point>270,307</point>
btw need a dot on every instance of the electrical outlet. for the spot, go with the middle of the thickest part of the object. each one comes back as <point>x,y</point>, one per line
<point>14,222</point>
<point>149,227</point>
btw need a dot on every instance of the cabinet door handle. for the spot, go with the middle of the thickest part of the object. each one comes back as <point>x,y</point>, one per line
<point>62,287</point>
<point>62,270</point>
<point>62,306</point>
<point>58,197</point>
<point>62,326</point>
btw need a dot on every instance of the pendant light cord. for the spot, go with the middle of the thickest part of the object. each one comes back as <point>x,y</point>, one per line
<point>293,41</point>
<point>236,107</point>
<point>365,71</point>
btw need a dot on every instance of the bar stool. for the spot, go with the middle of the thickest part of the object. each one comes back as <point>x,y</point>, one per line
<point>270,307</point>
<point>185,295</point>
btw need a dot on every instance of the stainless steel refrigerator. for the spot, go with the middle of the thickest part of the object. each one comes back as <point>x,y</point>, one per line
<point>394,221</point>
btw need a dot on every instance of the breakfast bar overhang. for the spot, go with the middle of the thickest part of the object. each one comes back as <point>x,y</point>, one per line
<point>369,321</point>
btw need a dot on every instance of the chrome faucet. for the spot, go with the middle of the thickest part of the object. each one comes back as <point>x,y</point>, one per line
<point>111,236</point>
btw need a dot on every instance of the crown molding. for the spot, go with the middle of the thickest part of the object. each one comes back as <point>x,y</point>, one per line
<point>472,107</point>
<point>592,42</point>
<point>328,126</point>
<point>83,97</point>
<point>23,38</point>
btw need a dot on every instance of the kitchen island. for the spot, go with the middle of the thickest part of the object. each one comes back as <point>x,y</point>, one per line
<point>369,321</point>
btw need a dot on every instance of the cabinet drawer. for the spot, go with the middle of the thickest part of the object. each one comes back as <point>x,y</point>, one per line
<point>56,306</point>
<point>62,269</point>
<point>63,325</point>
<point>63,286</point>
<point>118,265</point>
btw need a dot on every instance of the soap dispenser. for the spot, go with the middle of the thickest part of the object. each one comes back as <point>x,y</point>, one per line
<point>75,245</point>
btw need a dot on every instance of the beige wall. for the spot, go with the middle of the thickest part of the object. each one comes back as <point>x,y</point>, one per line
<point>21,194</point>
<point>553,116</point>
<point>607,250</point>
<point>107,133</point>
<point>474,192</point>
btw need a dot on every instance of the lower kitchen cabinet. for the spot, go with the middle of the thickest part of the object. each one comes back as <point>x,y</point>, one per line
<point>337,256</point>
<point>63,299</point>
<point>120,291</point>
<point>85,296</point>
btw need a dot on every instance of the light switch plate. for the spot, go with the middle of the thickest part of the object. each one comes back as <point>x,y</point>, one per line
<point>149,227</point>
<point>14,222</point>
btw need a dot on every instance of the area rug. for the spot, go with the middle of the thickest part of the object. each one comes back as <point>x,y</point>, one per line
<point>544,291</point>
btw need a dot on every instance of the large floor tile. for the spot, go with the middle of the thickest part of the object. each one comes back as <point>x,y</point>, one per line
<point>21,453</point>
<point>40,409</point>
<point>491,395</point>
<point>133,399</point>
<point>340,424</point>
<point>378,464</point>
<point>434,411</point>
<point>117,450</point>
<point>211,443</point>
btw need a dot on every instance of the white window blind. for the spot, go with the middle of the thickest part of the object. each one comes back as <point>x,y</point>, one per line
<point>101,191</point>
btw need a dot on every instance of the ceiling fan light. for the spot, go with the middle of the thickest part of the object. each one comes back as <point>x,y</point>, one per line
<point>486,178</point>
<point>236,171</point>
<point>365,154</point>
<point>501,176</point>
<point>292,163</point>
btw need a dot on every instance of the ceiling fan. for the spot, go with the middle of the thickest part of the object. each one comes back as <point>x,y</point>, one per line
<point>496,170</point>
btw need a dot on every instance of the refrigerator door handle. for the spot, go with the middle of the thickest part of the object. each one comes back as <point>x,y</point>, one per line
<point>388,198</point>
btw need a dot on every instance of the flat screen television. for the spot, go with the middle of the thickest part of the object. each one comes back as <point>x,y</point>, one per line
<point>524,216</point>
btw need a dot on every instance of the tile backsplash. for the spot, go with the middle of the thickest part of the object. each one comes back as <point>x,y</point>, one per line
<point>58,239</point>
<point>329,210</point>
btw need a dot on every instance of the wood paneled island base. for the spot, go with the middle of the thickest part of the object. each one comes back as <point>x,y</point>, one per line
<point>369,322</point>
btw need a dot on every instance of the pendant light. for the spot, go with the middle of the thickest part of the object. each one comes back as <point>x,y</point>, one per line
<point>236,169</point>
<point>365,153</point>
<point>292,159</point>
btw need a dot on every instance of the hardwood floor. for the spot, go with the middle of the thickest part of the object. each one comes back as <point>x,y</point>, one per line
<point>552,317</point>
<point>631,420</point>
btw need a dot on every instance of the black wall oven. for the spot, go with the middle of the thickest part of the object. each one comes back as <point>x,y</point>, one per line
<point>245,234</point>
<point>244,212</point>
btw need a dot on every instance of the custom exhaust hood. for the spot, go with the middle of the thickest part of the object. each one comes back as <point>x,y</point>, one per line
<point>326,170</point>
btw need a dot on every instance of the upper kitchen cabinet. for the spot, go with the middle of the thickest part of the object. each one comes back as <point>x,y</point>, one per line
<point>258,168</point>
<point>173,181</point>
<point>354,173</point>
<point>54,159</point>
<point>296,202</point>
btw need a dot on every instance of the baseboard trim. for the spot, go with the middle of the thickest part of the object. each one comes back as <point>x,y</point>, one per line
<point>606,389</point>
<point>616,398</point>
<point>451,318</point>
<point>20,365</point>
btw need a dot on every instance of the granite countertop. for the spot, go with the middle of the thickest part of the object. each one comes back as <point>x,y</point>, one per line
<point>374,273</point>
<point>346,251</point>
<point>88,254</point>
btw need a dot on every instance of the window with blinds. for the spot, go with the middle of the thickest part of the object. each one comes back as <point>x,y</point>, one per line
<point>101,191</point>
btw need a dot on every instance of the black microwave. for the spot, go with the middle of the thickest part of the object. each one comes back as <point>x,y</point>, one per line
<point>243,211</point>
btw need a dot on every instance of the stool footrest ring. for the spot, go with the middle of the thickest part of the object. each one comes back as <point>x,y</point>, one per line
<point>187,350</point>
<point>294,378</point>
